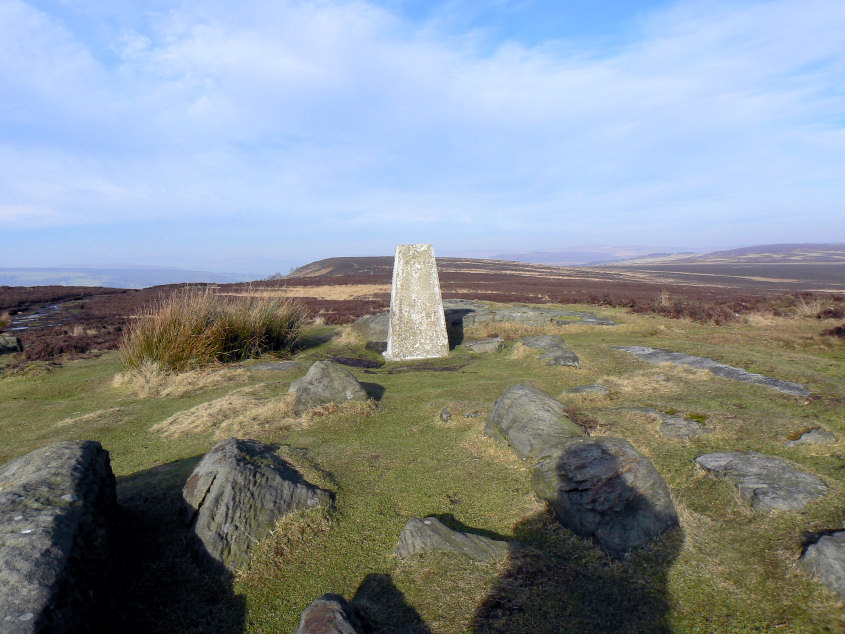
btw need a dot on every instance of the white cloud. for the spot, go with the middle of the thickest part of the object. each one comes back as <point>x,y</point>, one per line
<point>715,114</point>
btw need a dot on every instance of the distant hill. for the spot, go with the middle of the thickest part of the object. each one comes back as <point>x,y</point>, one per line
<point>115,278</point>
<point>583,256</point>
<point>767,253</point>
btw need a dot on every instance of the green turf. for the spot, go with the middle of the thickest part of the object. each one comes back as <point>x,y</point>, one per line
<point>727,569</point>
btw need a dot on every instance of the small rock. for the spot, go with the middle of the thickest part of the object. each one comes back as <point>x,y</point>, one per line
<point>564,357</point>
<point>330,614</point>
<point>276,365</point>
<point>490,346</point>
<point>325,382</point>
<point>826,560</point>
<point>9,344</point>
<point>431,534</point>
<point>529,420</point>
<point>765,482</point>
<point>817,436</point>
<point>604,489</point>
<point>473,414</point>
<point>587,389</point>
<point>445,415</point>
<point>672,426</point>
<point>237,492</point>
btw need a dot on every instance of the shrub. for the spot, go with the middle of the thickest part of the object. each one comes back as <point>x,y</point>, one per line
<point>195,327</point>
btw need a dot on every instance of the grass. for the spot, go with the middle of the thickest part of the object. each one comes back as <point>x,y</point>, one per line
<point>728,569</point>
<point>194,327</point>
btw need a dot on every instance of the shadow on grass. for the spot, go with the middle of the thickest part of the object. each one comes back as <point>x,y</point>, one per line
<point>373,390</point>
<point>560,582</point>
<point>383,609</point>
<point>158,583</point>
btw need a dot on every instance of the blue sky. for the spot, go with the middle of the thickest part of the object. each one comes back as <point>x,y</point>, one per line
<point>204,133</point>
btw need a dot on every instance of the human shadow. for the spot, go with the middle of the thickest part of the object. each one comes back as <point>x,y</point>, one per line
<point>373,390</point>
<point>158,584</point>
<point>382,608</point>
<point>611,578</point>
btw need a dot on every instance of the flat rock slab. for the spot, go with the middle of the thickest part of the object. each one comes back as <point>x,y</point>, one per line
<point>276,365</point>
<point>420,535</point>
<point>765,482</point>
<point>656,355</point>
<point>489,346</point>
<point>325,382</point>
<point>602,488</point>
<point>553,351</point>
<point>236,494</point>
<point>826,560</point>
<point>462,313</point>
<point>816,436</point>
<point>417,328</point>
<point>530,421</point>
<point>595,388</point>
<point>330,614</point>
<point>672,426</point>
<point>56,508</point>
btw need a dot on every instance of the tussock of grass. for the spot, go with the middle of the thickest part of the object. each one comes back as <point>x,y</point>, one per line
<point>194,327</point>
<point>346,337</point>
<point>5,320</point>
<point>150,381</point>
<point>101,415</point>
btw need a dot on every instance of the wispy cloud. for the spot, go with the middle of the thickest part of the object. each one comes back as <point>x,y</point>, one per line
<point>720,123</point>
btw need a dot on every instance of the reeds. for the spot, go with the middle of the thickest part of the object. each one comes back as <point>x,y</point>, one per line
<point>195,327</point>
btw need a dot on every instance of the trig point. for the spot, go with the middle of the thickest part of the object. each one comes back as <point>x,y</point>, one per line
<point>417,325</point>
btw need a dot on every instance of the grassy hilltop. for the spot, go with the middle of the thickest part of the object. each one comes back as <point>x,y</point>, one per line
<point>728,569</point>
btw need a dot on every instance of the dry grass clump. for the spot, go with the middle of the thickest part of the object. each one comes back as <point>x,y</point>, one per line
<point>663,378</point>
<point>5,319</point>
<point>346,337</point>
<point>150,381</point>
<point>195,327</point>
<point>99,416</point>
<point>510,331</point>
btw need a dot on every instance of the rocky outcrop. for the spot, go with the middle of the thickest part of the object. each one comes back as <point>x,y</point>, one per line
<point>765,482</point>
<point>325,382</point>
<point>330,614</point>
<point>672,426</point>
<point>604,489</point>
<point>9,344</point>
<point>656,355</point>
<point>236,494</point>
<point>420,535</point>
<point>529,420</point>
<point>825,558</point>
<point>595,388</point>
<point>56,510</point>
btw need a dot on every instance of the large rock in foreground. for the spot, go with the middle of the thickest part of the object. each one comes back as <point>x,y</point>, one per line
<point>325,382</point>
<point>826,560</point>
<point>330,614</point>
<point>530,421</point>
<point>765,482</point>
<point>420,535</point>
<point>236,494</point>
<point>604,489</point>
<point>56,508</point>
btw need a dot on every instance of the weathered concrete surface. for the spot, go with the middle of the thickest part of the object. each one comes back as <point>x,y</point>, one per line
<point>237,492</point>
<point>530,421</point>
<point>430,533</point>
<point>330,614</point>
<point>325,382</point>
<point>56,510</point>
<point>656,355</point>
<point>826,560</point>
<point>603,488</point>
<point>765,482</point>
<point>417,328</point>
